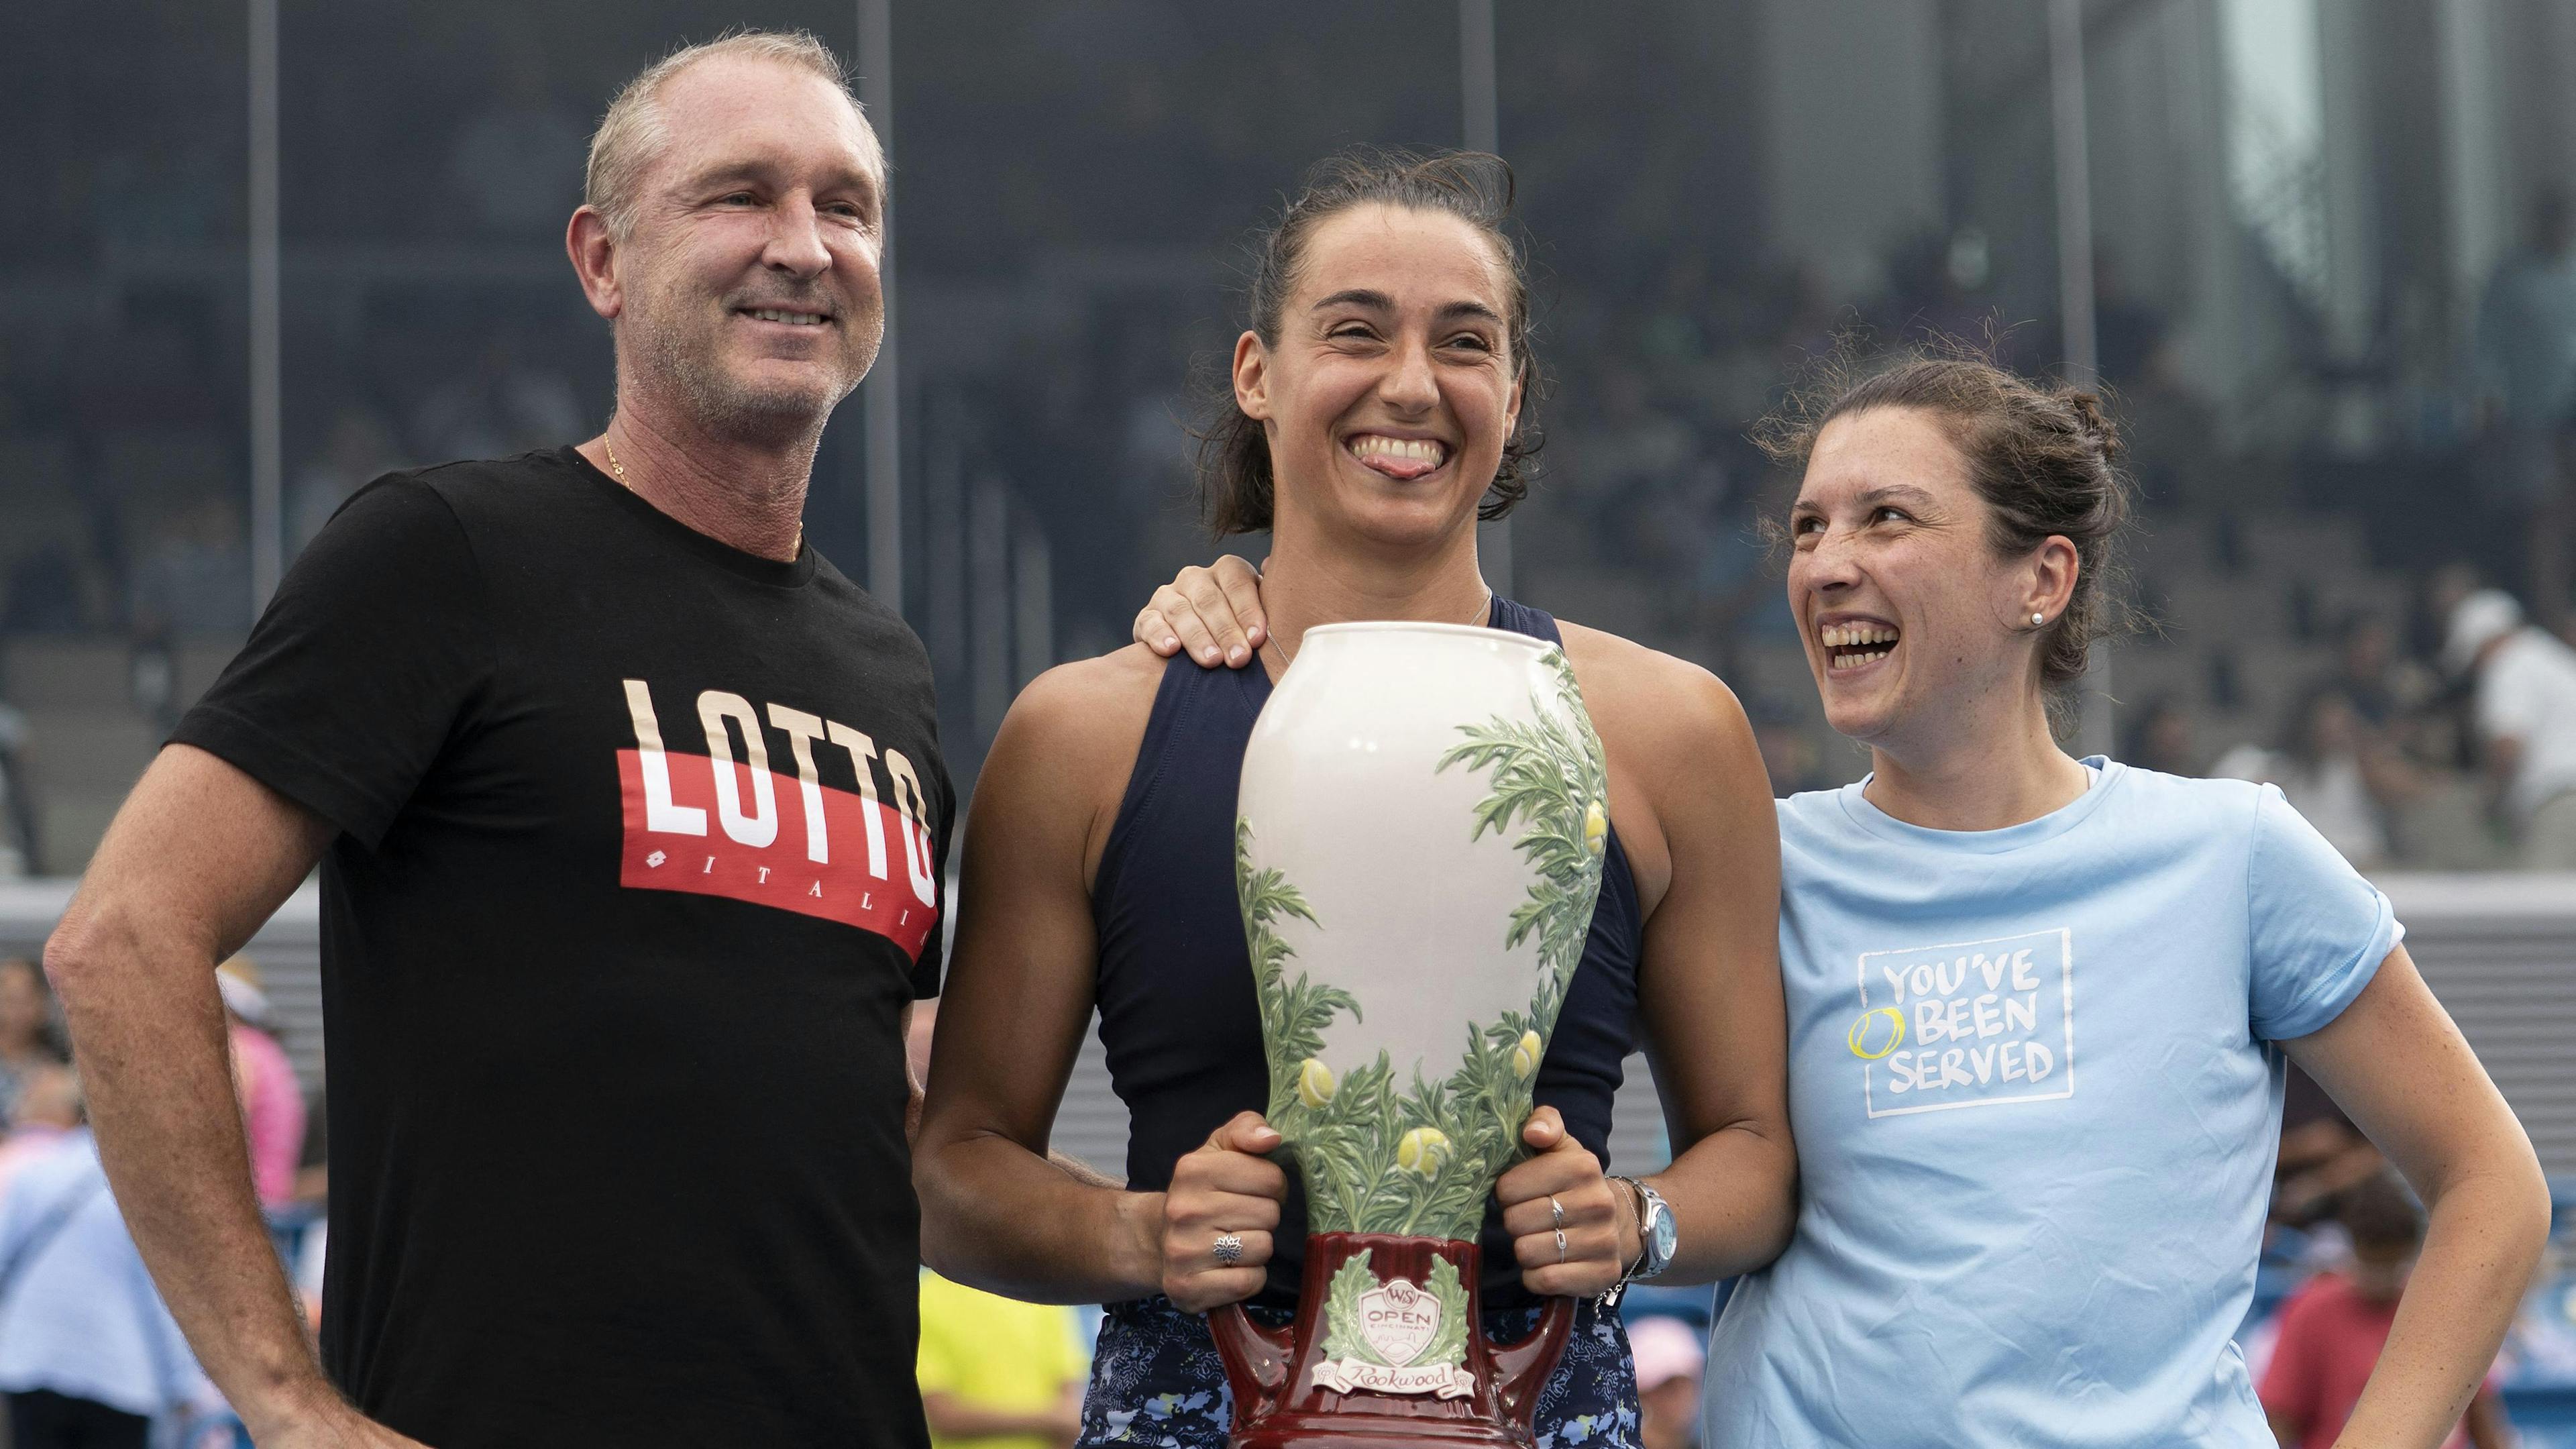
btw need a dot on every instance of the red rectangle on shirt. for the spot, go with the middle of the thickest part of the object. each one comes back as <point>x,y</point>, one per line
<point>782,873</point>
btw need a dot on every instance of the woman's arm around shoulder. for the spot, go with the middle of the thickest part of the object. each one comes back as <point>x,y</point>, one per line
<point>1693,807</point>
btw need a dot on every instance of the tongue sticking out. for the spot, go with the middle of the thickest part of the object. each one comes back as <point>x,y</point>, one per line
<point>1402,459</point>
<point>1403,470</point>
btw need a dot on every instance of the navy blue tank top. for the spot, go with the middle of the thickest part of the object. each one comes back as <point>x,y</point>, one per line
<point>1177,1012</point>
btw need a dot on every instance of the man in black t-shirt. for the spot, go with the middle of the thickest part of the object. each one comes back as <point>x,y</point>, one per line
<point>632,823</point>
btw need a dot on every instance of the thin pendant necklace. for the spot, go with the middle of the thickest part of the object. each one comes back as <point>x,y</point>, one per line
<point>1288,656</point>
<point>620,470</point>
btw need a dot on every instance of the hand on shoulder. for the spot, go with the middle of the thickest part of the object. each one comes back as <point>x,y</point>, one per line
<point>1214,612</point>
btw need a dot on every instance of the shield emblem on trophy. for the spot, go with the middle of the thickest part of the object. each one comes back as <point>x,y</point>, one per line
<point>1418,847</point>
<point>1398,1320</point>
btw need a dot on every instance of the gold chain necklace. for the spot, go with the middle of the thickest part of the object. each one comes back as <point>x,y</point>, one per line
<point>620,470</point>
<point>1288,656</point>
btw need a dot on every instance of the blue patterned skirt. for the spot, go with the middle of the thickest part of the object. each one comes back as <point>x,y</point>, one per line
<point>1156,1379</point>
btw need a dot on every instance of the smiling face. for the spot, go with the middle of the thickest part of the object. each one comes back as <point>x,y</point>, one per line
<point>1392,389</point>
<point>748,285</point>
<point>1913,624</point>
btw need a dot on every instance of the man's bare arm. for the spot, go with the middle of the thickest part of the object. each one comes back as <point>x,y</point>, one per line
<point>198,858</point>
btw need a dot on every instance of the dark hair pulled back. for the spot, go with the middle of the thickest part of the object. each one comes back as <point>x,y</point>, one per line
<point>1235,483</point>
<point>2044,458</point>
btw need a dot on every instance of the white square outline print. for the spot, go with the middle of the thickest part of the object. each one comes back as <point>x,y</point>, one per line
<point>2066,985</point>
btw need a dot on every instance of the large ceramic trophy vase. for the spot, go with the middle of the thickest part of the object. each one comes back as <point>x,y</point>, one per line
<point>1419,843</point>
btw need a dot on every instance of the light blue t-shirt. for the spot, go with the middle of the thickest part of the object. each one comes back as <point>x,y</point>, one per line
<point>2036,1112</point>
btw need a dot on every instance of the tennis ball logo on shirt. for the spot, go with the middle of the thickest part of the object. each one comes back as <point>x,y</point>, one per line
<point>1876,1033</point>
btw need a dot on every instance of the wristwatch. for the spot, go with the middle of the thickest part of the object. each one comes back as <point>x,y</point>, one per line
<point>1657,1235</point>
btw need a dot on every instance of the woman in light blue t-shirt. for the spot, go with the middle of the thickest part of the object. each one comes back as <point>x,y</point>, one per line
<point>2039,1006</point>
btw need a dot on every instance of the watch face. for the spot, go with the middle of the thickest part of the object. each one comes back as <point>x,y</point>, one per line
<point>1666,1237</point>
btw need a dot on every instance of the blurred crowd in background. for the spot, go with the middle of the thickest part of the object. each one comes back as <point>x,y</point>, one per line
<point>88,1354</point>
<point>2346,416</point>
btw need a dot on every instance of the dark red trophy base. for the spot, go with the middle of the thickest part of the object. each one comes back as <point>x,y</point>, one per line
<point>1278,1404</point>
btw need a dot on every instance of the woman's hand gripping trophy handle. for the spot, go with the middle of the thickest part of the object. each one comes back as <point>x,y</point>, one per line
<point>1573,1233</point>
<point>1219,1214</point>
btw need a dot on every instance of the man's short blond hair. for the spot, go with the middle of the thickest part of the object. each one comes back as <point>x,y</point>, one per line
<point>632,133</point>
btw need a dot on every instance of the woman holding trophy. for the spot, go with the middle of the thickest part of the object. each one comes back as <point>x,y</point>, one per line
<point>2014,1231</point>
<point>1380,403</point>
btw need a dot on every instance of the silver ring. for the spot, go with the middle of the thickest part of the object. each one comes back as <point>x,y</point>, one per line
<point>1228,1249</point>
<point>1557,1208</point>
<point>1560,1245</point>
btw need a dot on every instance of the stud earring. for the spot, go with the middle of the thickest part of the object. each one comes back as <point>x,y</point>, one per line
<point>2038,619</point>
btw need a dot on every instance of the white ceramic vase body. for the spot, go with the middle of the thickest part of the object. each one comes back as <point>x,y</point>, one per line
<point>1421,825</point>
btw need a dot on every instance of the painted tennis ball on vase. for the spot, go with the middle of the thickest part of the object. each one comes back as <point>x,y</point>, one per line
<point>1525,1055</point>
<point>1596,827</point>
<point>1422,1150</point>
<point>1315,1084</point>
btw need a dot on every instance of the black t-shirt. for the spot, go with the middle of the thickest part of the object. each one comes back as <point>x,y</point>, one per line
<point>641,842</point>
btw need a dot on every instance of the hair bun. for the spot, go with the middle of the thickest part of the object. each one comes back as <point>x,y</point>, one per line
<point>2093,421</point>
